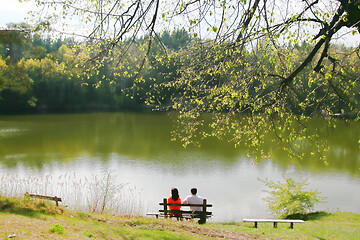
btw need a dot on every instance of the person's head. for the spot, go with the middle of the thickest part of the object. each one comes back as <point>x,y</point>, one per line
<point>193,191</point>
<point>175,194</point>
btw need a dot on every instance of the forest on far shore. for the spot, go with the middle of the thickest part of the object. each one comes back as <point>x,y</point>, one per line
<point>48,74</point>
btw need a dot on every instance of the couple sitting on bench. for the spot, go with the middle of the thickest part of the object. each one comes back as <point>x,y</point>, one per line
<point>191,199</point>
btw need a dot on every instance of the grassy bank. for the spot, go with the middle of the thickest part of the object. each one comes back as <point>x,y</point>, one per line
<point>30,219</point>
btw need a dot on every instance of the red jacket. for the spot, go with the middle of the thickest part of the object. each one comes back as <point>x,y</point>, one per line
<point>171,200</point>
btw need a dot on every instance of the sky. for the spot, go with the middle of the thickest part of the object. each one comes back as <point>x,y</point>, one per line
<point>14,11</point>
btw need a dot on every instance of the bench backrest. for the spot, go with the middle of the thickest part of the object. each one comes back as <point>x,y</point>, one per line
<point>56,199</point>
<point>203,206</point>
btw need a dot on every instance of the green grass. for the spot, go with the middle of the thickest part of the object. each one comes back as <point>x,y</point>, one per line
<point>28,219</point>
<point>27,206</point>
<point>318,226</point>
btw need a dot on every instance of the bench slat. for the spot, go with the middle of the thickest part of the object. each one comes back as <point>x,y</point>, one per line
<point>186,215</point>
<point>186,205</point>
<point>275,221</point>
<point>56,199</point>
<point>186,212</point>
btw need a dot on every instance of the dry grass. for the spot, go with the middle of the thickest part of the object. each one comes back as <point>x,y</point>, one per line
<point>89,194</point>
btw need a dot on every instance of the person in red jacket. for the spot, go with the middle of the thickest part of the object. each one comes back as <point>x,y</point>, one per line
<point>175,198</point>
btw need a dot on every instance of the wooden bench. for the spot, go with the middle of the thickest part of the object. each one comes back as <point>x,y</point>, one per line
<point>56,199</point>
<point>275,221</point>
<point>180,214</point>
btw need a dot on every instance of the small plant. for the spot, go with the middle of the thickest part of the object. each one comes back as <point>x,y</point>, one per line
<point>89,235</point>
<point>57,229</point>
<point>290,198</point>
<point>83,215</point>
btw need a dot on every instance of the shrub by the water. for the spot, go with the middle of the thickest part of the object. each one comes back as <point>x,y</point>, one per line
<point>291,197</point>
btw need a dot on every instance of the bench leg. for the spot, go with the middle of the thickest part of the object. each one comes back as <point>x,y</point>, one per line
<point>292,225</point>
<point>202,220</point>
<point>255,225</point>
<point>275,224</point>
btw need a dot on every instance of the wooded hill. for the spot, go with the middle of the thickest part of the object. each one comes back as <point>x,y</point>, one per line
<point>49,74</point>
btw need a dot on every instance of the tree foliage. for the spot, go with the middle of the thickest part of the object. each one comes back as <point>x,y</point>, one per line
<point>260,66</point>
<point>290,198</point>
<point>62,78</point>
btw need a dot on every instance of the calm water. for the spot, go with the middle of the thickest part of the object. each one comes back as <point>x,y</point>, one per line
<point>136,149</point>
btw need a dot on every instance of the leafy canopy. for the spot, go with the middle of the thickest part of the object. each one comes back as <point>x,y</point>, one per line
<point>260,67</point>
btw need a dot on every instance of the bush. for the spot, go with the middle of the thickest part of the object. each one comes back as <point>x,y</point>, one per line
<point>290,198</point>
<point>57,229</point>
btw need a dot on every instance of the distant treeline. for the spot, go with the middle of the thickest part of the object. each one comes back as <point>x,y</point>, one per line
<point>45,74</point>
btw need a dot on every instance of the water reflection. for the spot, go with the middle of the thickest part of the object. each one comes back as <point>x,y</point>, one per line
<point>137,147</point>
<point>35,140</point>
<point>61,137</point>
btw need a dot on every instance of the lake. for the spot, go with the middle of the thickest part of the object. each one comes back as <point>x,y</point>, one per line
<point>77,156</point>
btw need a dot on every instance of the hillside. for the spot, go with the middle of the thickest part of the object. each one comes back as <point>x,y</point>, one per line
<point>29,219</point>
